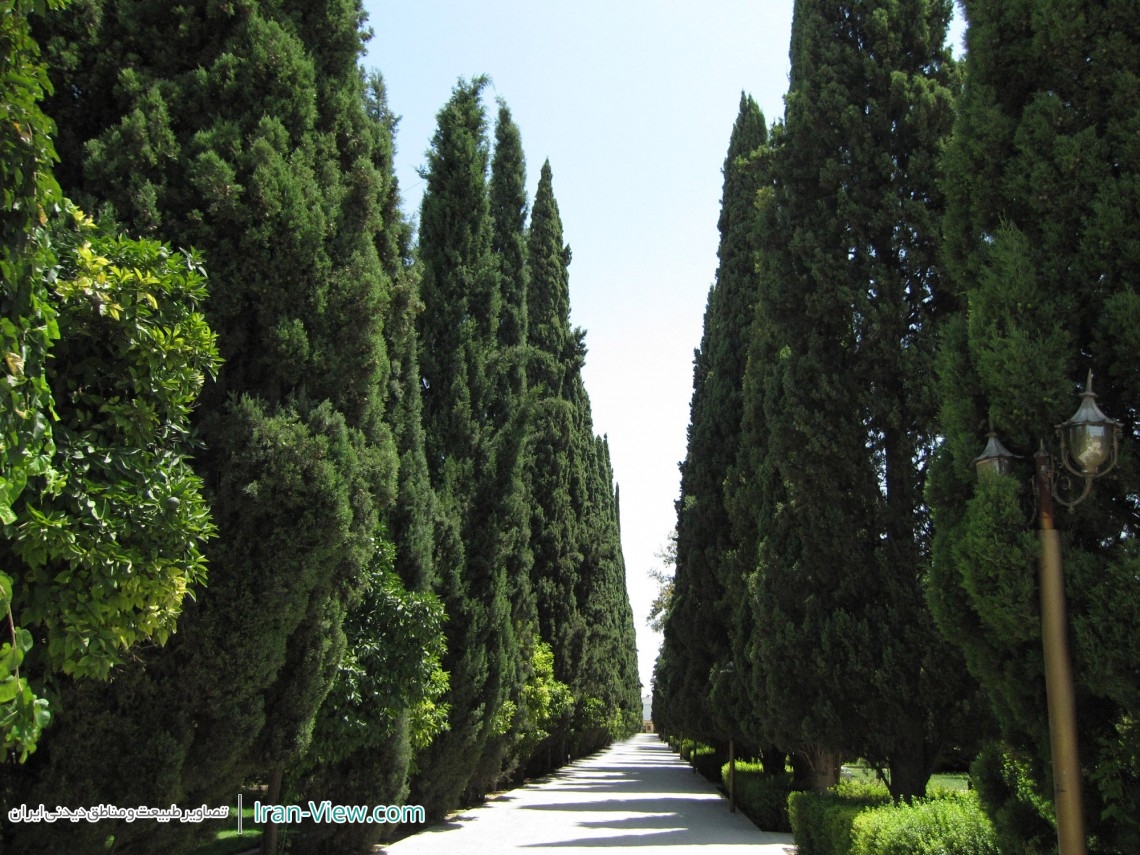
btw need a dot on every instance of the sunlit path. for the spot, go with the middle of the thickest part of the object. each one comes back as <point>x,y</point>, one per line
<point>637,793</point>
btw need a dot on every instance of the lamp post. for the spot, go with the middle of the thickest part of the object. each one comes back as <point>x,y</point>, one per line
<point>1089,441</point>
<point>729,671</point>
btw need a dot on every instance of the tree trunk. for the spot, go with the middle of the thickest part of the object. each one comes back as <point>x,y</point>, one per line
<point>773,759</point>
<point>273,797</point>
<point>824,767</point>
<point>910,766</point>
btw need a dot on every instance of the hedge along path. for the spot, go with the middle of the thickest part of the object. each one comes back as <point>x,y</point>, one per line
<point>635,793</point>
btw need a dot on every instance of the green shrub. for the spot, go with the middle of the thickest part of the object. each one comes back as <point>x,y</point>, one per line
<point>822,822</point>
<point>762,798</point>
<point>707,761</point>
<point>1022,815</point>
<point>949,824</point>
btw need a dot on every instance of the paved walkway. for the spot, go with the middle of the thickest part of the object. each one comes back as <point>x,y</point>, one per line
<point>636,793</point>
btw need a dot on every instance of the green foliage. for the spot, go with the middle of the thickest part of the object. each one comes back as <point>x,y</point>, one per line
<point>822,823</point>
<point>28,327</point>
<point>952,824</point>
<point>1039,175</point>
<point>250,131</point>
<point>111,544</point>
<point>1022,815</point>
<point>706,586</point>
<point>548,701</point>
<point>23,716</point>
<point>391,665</point>
<point>763,797</point>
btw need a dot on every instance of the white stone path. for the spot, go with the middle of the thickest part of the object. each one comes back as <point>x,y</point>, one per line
<point>636,793</point>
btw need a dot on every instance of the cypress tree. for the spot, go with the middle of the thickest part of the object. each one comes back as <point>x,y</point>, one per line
<point>699,627</point>
<point>579,574</point>
<point>609,688</point>
<point>509,213</point>
<point>244,129</point>
<point>508,206</point>
<point>557,498</point>
<point>1041,182</point>
<point>850,658</point>
<point>473,452</point>
<point>382,703</point>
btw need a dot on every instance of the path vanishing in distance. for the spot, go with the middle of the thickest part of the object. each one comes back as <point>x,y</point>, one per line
<point>635,793</point>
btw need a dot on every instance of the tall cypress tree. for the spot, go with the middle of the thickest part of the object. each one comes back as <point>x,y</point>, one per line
<point>548,302</point>
<point>579,573</point>
<point>243,129</point>
<point>698,631</point>
<point>1041,177</point>
<point>382,703</point>
<point>509,213</point>
<point>608,687</point>
<point>849,655</point>
<point>556,494</point>
<point>508,206</point>
<point>473,451</point>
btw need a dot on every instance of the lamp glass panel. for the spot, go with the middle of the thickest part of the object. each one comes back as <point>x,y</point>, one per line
<point>1090,445</point>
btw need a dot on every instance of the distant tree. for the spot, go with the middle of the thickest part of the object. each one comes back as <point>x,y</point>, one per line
<point>1041,181</point>
<point>663,576</point>
<point>608,689</point>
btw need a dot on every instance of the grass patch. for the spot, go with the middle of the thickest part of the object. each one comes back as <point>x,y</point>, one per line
<point>954,782</point>
<point>227,841</point>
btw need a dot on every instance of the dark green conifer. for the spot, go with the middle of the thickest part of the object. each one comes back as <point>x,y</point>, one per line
<point>473,452</point>
<point>849,304</point>
<point>557,497</point>
<point>244,129</point>
<point>579,575</point>
<point>509,213</point>
<point>1041,178</point>
<point>699,627</point>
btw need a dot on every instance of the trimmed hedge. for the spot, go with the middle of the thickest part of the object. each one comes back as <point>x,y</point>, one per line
<point>821,822</point>
<point>948,824</point>
<point>703,758</point>
<point>860,819</point>
<point>762,798</point>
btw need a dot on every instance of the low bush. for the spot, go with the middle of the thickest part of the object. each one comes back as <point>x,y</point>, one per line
<point>707,761</point>
<point>822,822</point>
<point>762,798</point>
<point>860,819</point>
<point>1023,817</point>
<point>948,824</point>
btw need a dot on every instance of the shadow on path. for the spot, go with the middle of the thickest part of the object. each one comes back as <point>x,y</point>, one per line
<point>636,793</point>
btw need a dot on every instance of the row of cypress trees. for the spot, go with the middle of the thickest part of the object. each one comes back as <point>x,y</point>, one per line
<point>416,589</point>
<point>919,249</point>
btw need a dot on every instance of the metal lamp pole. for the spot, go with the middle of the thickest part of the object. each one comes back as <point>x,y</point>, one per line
<point>1091,440</point>
<point>1059,689</point>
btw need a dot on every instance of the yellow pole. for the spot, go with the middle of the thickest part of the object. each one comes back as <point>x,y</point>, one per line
<point>1059,675</point>
<point>731,776</point>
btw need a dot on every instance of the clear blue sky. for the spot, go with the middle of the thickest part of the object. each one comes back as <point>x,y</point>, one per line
<point>632,102</point>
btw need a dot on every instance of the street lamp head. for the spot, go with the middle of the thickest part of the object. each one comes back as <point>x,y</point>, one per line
<point>1090,439</point>
<point>995,460</point>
